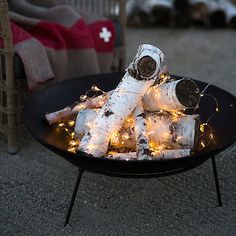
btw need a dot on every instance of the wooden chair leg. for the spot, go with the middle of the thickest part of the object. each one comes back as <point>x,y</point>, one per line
<point>12,137</point>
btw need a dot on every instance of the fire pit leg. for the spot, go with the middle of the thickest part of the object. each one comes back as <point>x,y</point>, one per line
<point>216,180</point>
<point>73,197</point>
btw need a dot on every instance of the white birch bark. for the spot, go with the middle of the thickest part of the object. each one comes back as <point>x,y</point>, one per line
<point>182,132</point>
<point>65,113</point>
<point>123,100</point>
<point>162,129</point>
<point>58,116</point>
<point>141,134</point>
<point>84,121</point>
<point>166,97</point>
<point>162,155</point>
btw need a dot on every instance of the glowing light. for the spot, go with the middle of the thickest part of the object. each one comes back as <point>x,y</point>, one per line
<point>151,132</point>
<point>179,138</point>
<point>79,107</point>
<point>71,123</point>
<point>149,90</point>
<point>71,149</point>
<point>61,124</point>
<point>91,146</point>
<point>90,125</point>
<point>217,109</point>
<point>114,138</point>
<point>166,134</point>
<point>152,145</point>
<point>95,88</point>
<point>73,143</point>
<point>83,98</point>
<point>112,153</point>
<point>202,128</point>
<point>125,136</point>
<point>72,135</point>
<point>129,119</point>
<point>203,144</point>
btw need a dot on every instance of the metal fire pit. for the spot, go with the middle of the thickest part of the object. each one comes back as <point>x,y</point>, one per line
<point>65,93</point>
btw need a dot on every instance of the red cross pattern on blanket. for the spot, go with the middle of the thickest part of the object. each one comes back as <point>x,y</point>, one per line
<point>105,34</point>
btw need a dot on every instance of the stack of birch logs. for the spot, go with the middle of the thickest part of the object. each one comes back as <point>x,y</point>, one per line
<point>182,13</point>
<point>142,118</point>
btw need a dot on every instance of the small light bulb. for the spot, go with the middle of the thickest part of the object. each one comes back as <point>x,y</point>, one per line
<point>83,98</point>
<point>73,143</point>
<point>202,128</point>
<point>71,123</point>
<point>71,149</point>
<point>203,144</point>
<point>95,88</point>
<point>125,136</point>
<point>72,134</point>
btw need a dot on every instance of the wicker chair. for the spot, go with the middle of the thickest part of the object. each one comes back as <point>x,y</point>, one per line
<point>12,90</point>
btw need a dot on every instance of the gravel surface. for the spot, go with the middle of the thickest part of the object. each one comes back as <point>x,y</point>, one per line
<point>36,185</point>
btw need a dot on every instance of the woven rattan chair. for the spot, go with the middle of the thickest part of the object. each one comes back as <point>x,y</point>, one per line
<point>12,90</point>
<point>8,88</point>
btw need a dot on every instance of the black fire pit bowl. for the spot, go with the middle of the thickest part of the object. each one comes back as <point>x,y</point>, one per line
<point>65,93</point>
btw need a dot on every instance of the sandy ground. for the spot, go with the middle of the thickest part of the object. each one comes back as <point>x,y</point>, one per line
<point>36,185</point>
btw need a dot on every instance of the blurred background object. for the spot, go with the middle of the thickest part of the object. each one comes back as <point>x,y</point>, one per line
<point>182,13</point>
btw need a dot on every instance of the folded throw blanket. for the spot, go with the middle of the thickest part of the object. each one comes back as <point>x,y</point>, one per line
<point>56,40</point>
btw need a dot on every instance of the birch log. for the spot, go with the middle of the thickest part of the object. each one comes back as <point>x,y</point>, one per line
<point>179,132</point>
<point>140,75</point>
<point>182,131</point>
<point>172,96</point>
<point>93,102</point>
<point>84,121</point>
<point>65,113</point>
<point>141,135</point>
<point>162,155</point>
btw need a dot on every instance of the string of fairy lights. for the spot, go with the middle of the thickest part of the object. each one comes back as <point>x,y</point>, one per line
<point>206,133</point>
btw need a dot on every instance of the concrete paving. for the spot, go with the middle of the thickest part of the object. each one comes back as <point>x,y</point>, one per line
<point>36,185</point>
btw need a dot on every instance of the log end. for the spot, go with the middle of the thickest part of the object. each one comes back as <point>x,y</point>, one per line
<point>146,67</point>
<point>187,93</point>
